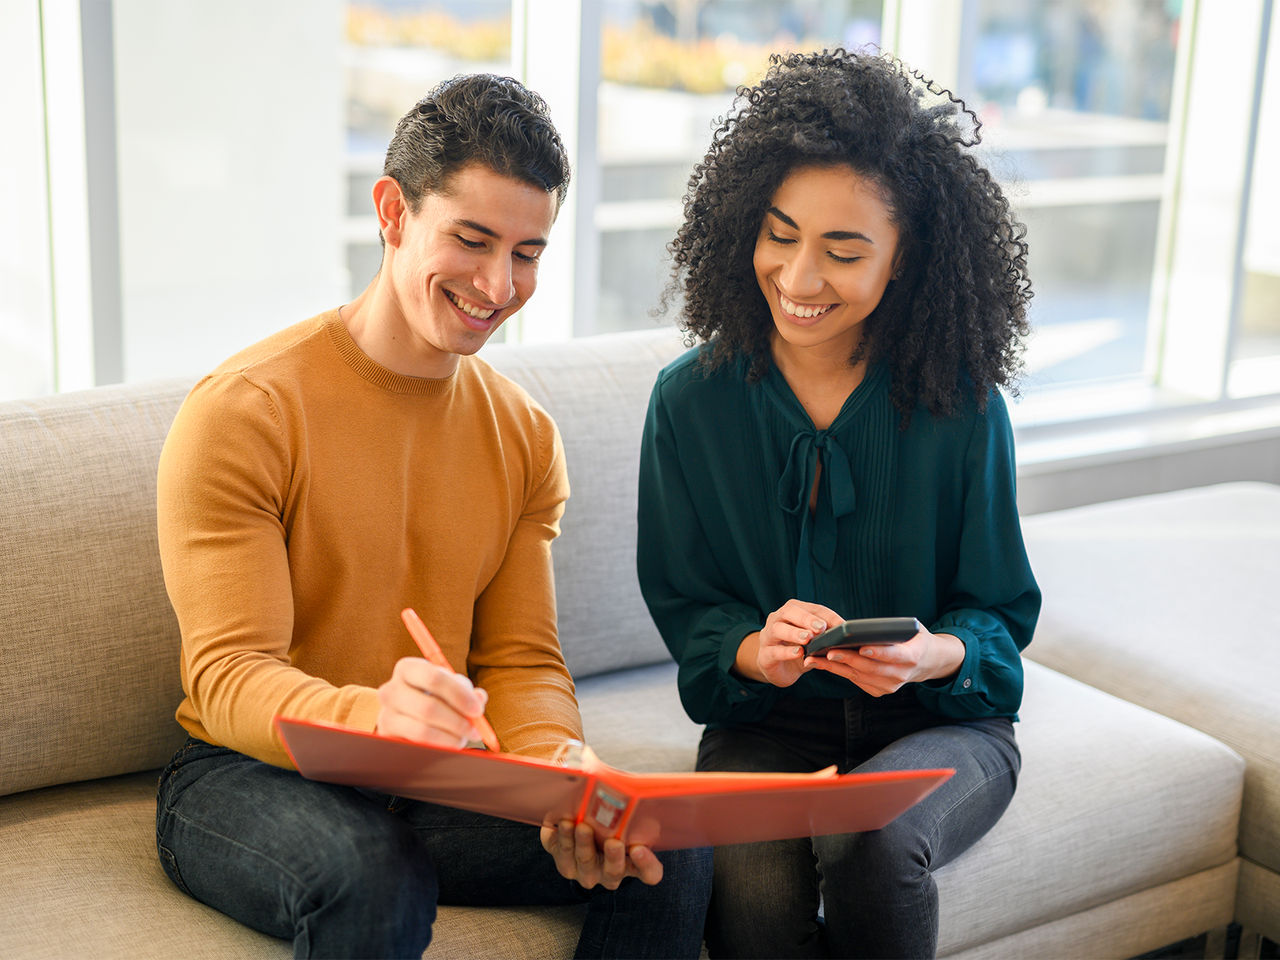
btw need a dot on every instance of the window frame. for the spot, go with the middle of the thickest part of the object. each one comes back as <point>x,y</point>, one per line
<point>556,46</point>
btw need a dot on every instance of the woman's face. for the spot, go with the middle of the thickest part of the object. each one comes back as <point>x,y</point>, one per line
<point>826,250</point>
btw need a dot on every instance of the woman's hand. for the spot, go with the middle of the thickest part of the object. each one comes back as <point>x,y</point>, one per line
<point>578,858</point>
<point>880,669</point>
<point>429,704</point>
<point>776,654</point>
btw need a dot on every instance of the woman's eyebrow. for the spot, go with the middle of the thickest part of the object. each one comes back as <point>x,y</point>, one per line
<point>829,235</point>
<point>847,235</point>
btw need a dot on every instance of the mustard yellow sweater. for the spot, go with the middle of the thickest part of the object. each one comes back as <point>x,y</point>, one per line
<point>308,494</point>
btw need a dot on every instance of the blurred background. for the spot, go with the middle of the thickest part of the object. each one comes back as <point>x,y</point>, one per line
<point>182,178</point>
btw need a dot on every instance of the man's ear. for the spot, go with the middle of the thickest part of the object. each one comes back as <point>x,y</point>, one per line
<point>391,208</point>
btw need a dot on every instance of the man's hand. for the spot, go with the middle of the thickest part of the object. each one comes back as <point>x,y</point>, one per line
<point>881,669</point>
<point>776,654</point>
<point>429,704</point>
<point>578,858</point>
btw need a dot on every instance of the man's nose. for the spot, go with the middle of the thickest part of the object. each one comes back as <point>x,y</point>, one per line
<point>494,280</point>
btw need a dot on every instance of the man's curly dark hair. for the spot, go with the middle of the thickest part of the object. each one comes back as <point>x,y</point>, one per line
<point>951,321</point>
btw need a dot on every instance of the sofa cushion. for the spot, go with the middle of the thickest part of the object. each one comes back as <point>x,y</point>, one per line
<point>1112,800</point>
<point>1115,804</point>
<point>1168,601</point>
<point>597,389</point>
<point>81,878</point>
<point>88,642</point>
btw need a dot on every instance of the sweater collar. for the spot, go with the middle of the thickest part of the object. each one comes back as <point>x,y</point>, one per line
<point>368,369</point>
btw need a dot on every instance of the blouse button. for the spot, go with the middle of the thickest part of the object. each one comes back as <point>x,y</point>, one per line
<point>967,684</point>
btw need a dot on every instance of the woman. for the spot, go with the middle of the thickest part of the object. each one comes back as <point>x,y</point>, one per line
<point>836,448</point>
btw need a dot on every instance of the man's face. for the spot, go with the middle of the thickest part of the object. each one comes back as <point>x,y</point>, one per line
<point>466,261</point>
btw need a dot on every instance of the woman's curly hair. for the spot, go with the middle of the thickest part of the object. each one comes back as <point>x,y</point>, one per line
<point>951,321</point>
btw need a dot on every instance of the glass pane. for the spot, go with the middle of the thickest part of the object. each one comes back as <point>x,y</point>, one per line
<point>394,51</point>
<point>26,318</point>
<point>669,70</point>
<point>1256,360</point>
<point>1074,96</point>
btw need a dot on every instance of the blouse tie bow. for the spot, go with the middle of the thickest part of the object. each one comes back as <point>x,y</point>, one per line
<point>836,499</point>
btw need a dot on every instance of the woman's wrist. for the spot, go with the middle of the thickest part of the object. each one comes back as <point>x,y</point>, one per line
<point>745,662</point>
<point>946,656</point>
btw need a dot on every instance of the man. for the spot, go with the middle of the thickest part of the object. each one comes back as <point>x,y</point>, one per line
<point>339,471</point>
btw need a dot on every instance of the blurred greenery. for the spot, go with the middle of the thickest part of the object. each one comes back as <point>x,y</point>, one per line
<point>635,54</point>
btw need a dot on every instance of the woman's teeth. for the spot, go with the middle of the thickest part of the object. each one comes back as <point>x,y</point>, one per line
<point>803,311</point>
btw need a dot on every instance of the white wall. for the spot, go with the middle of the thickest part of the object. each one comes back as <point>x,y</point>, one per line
<point>26,362</point>
<point>230,139</point>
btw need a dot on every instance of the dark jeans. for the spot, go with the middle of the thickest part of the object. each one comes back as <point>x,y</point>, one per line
<point>352,873</point>
<point>862,894</point>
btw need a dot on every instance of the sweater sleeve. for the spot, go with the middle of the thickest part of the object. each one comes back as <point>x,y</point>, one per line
<point>515,653</point>
<point>992,601</point>
<point>221,490</point>
<point>701,623</point>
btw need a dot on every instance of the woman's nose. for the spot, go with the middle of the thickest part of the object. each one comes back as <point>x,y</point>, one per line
<point>800,276</point>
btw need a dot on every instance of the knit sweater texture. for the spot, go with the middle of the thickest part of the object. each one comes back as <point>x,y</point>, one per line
<point>306,495</point>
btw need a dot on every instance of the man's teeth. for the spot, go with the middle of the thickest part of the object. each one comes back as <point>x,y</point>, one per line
<point>801,310</point>
<point>468,309</point>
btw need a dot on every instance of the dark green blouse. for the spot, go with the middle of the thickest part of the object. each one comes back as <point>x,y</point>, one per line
<point>919,522</point>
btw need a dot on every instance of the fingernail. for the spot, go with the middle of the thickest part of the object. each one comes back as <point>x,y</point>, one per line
<point>818,625</point>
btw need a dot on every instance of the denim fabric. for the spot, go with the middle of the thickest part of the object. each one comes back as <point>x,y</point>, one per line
<point>863,894</point>
<point>352,873</point>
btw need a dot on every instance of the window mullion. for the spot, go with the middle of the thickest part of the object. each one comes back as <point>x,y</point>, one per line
<point>1202,232</point>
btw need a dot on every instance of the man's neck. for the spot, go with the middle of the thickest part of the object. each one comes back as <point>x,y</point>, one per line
<point>377,324</point>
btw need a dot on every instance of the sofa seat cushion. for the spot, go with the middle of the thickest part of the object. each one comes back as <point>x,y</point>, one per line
<point>1113,802</point>
<point>81,878</point>
<point>1168,601</point>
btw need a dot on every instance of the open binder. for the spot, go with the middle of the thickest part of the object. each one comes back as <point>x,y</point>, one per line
<point>661,810</point>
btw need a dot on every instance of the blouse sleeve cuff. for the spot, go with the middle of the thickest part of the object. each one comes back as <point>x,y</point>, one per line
<point>965,680</point>
<point>739,689</point>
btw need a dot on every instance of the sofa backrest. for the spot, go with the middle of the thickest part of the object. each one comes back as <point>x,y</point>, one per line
<point>88,641</point>
<point>597,390</point>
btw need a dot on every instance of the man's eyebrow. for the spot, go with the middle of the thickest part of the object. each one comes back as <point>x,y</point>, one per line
<point>490,232</point>
<point>829,235</point>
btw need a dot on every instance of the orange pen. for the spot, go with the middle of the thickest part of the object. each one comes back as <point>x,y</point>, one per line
<point>432,652</point>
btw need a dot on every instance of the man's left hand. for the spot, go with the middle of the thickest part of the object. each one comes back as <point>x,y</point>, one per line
<point>578,858</point>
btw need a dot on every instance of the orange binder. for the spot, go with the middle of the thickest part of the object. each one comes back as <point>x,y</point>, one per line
<point>661,810</point>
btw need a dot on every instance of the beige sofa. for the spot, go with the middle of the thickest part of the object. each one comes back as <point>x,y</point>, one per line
<point>1170,601</point>
<point>1122,837</point>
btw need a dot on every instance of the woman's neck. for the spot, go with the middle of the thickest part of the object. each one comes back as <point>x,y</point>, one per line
<point>820,379</point>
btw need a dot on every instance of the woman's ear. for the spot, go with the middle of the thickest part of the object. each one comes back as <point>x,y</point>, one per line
<point>391,208</point>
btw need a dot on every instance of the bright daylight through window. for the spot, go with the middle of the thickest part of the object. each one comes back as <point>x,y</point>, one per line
<point>1135,161</point>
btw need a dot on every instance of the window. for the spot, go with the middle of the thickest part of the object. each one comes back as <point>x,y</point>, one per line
<point>1255,367</point>
<point>392,54</point>
<point>186,178</point>
<point>668,73</point>
<point>1075,98</point>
